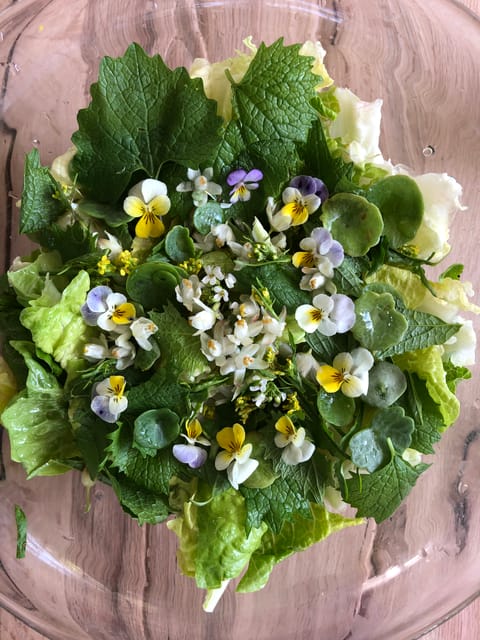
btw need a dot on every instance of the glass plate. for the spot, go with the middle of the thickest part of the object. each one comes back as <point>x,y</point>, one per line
<point>98,575</point>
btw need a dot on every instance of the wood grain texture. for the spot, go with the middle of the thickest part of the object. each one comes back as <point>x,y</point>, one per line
<point>368,555</point>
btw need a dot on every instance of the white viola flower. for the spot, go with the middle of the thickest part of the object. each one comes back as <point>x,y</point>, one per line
<point>235,455</point>
<point>296,448</point>
<point>348,373</point>
<point>297,207</point>
<point>118,315</point>
<point>320,252</point>
<point>328,314</point>
<point>123,351</point>
<point>108,400</point>
<point>189,291</point>
<point>142,329</point>
<point>201,186</point>
<point>191,453</point>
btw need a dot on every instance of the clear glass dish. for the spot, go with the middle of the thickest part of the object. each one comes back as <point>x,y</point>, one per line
<point>98,575</point>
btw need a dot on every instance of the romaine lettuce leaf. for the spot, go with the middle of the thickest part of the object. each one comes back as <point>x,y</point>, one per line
<point>428,365</point>
<point>294,536</point>
<point>58,328</point>
<point>213,544</point>
<point>37,421</point>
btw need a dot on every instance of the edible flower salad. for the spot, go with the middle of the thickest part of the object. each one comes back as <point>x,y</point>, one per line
<point>229,317</point>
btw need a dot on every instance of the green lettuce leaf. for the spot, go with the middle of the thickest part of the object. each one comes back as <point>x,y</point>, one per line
<point>428,365</point>
<point>37,422</point>
<point>213,545</point>
<point>294,536</point>
<point>58,328</point>
<point>28,281</point>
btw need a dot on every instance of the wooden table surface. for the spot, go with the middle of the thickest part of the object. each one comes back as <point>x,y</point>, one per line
<point>465,625</point>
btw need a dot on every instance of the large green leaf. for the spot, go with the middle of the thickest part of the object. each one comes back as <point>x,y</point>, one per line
<point>142,115</point>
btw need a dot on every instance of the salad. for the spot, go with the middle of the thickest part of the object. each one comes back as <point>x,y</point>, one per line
<point>230,317</point>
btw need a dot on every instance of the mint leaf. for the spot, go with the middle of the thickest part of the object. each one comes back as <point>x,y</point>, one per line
<point>281,280</point>
<point>158,392</point>
<point>319,161</point>
<point>426,413</point>
<point>42,196</point>
<point>142,114</point>
<point>21,522</point>
<point>276,504</point>
<point>378,495</point>
<point>348,276</point>
<point>179,348</point>
<point>424,330</point>
<point>147,507</point>
<point>278,81</point>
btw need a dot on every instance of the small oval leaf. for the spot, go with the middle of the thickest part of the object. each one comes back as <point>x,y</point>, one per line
<point>156,429</point>
<point>354,221</point>
<point>401,204</point>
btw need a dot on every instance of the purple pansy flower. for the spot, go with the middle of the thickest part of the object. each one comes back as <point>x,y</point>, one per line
<point>308,185</point>
<point>242,183</point>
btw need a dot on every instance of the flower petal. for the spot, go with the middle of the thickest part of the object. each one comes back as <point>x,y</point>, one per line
<point>329,378</point>
<point>236,176</point>
<point>134,207</point>
<point>239,472</point>
<point>355,386</point>
<point>159,206</point>
<point>308,317</point>
<point>222,460</point>
<point>194,456</point>
<point>149,226</point>
<point>100,406</point>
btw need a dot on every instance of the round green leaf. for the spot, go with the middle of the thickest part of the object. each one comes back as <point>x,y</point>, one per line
<point>354,221</point>
<point>366,450</point>
<point>392,424</point>
<point>378,325</point>
<point>208,215</point>
<point>153,283</point>
<point>336,408</point>
<point>156,429</point>
<point>401,204</point>
<point>386,383</point>
<point>178,244</point>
